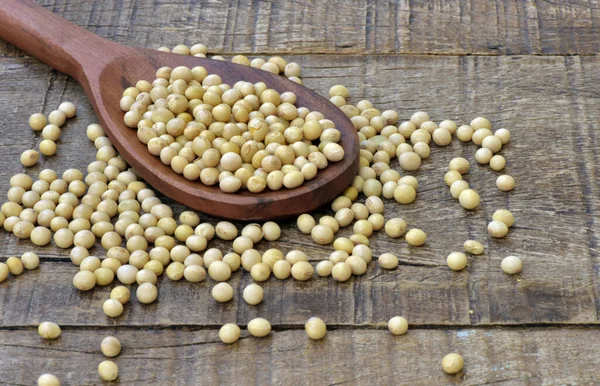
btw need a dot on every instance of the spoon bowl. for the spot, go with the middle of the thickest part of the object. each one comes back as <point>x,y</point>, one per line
<point>105,69</point>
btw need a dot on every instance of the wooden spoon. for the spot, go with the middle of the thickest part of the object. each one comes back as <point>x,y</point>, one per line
<point>105,69</point>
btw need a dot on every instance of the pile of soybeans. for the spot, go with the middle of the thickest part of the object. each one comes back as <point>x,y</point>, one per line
<point>241,137</point>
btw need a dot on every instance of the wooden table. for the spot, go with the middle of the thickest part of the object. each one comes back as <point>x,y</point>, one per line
<point>529,66</point>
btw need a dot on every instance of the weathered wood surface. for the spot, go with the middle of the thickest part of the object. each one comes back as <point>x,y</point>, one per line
<point>367,26</point>
<point>551,156</point>
<point>550,103</point>
<point>520,356</point>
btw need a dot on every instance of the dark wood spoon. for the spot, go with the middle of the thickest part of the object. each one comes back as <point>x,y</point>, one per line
<point>105,69</point>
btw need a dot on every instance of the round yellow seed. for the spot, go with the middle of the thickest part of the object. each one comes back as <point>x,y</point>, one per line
<point>324,268</point>
<point>110,346</point>
<point>222,292</point>
<point>4,271</point>
<point>333,152</point>
<point>398,325</point>
<point>469,199</point>
<point>260,271</point>
<point>416,237</point>
<point>483,156</point>
<point>259,327</point>
<point>388,261</point>
<point>503,134</point>
<point>84,280</point>
<point>48,147</point>
<point>315,328</point>
<point>253,294</point>
<point>457,261</point>
<point>453,363</point>
<point>112,308</point>
<point>229,333</point>
<point>146,293</point>
<point>459,164</point>
<point>497,162</point>
<point>505,183</point>
<point>29,158</point>
<point>120,293</point>
<point>219,271</point>
<point>30,260</point>
<point>451,177</point>
<point>194,273</point>
<point>282,269</point>
<point>505,216</point>
<point>271,231</point>
<point>305,223</point>
<point>108,370</point>
<point>497,229</point>
<point>410,161</point>
<point>492,142</point>
<point>395,227</point>
<point>341,272</point>
<point>48,380</point>
<point>302,271</point>
<point>457,188</point>
<point>405,194</point>
<point>40,236</point>
<point>322,234</point>
<point>357,264</point>
<point>464,133</point>
<point>15,265</point>
<point>68,108</point>
<point>49,330</point>
<point>104,276</point>
<point>473,247</point>
<point>511,265</point>
<point>37,121</point>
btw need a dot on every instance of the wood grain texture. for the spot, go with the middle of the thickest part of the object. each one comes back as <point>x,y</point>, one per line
<point>550,103</point>
<point>457,27</point>
<point>551,156</point>
<point>517,356</point>
<point>425,296</point>
<point>99,65</point>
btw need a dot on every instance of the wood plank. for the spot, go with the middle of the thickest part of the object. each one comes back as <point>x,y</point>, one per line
<point>588,164</point>
<point>552,156</point>
<point>47,293</point>
<point>549,103</point>
<point>517,356</point>
<point>457,27</point>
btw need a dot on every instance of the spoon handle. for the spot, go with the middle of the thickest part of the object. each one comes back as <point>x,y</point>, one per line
<point>52,39</point>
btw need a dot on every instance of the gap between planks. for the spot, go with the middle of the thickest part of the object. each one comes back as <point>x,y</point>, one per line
<point>284,55</point>
<point>330,327</point>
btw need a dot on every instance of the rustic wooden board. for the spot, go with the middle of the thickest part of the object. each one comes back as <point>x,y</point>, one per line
<point>551,156</point>
<point>517,356</point>
<point>548,100</point>
<point>425,296</point>
<point>457,27</point>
